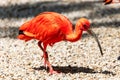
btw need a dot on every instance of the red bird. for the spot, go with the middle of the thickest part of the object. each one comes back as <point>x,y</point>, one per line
<point>110,1</point>
<point>52,27</point>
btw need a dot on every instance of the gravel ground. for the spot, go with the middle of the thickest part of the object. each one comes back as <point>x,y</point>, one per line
<point>81,60</point>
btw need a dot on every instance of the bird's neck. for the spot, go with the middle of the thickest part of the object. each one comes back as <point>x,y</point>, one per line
<point>75,35</point>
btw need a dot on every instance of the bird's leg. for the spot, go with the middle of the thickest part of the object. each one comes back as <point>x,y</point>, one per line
<point>46,60</point>
<point>45,55</point>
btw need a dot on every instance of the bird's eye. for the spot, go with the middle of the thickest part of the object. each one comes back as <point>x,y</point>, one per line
<point>85,26</point>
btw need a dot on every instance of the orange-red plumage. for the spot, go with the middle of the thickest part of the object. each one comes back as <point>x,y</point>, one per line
<point>110,1</point>
<point>49,28</point>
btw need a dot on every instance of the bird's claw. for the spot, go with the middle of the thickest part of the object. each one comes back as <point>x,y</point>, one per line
<point>54,72</point>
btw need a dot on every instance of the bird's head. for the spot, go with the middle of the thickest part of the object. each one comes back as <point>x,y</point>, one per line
<point>84,25</point>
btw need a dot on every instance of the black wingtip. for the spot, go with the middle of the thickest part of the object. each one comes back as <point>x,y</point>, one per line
<point>21,32</point>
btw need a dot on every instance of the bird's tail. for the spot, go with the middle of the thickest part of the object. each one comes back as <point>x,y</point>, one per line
<point>22,35</point>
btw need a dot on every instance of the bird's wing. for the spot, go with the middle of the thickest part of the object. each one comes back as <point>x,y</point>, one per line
<point>39,27</point>
<point>46,25</point>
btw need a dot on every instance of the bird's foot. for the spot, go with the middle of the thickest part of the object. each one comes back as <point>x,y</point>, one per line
<point>54,72</point>
<point>48,65</point>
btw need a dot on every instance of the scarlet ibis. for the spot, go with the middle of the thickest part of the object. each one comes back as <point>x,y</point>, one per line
<point>51,27</point>
<point>110,1</point>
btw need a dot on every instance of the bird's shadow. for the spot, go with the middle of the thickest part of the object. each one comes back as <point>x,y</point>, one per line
<point>75,69</point>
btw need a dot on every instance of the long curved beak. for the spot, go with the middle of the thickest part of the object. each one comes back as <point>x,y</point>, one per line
<point>96,38</point>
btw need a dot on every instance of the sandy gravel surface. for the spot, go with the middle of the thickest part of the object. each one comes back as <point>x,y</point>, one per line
<point>76,61</point>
